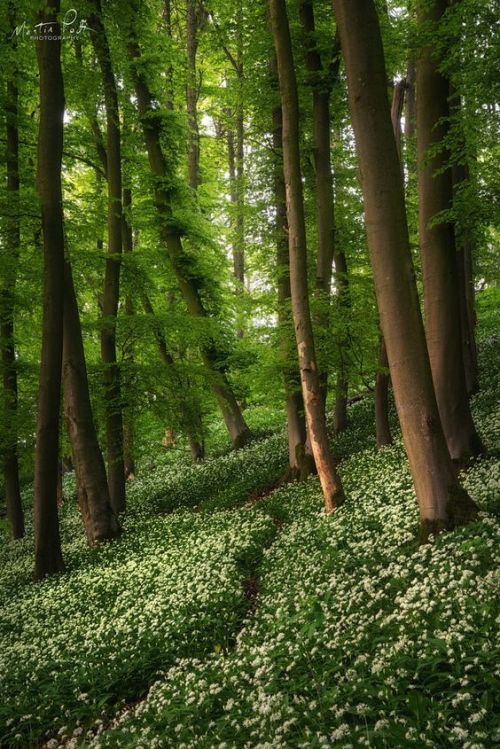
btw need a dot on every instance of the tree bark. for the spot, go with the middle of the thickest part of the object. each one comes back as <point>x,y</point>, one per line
<point>382,428</point>
<point>382,379</point>
<point>437,247</point>
<point>189,282</point>
<point>320,84</point>
<point>48,554</point>
<point>465,251</point>
<point>443,503</point>
<point>111,294</point>
<point>311,387</point>
<point>128,417</point>
<point>192,94</point>
<point>15,514</point>
<point>99,520</point>
<point>296,425</point>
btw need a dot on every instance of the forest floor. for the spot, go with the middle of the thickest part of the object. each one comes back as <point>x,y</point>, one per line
<point>228,617</point>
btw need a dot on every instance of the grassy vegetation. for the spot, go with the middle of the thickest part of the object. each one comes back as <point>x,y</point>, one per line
<point>357,637</point>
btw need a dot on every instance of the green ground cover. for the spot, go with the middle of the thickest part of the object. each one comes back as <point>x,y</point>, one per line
<point>217,622</point>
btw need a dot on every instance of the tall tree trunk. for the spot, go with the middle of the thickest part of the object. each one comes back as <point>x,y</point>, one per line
<point>382,379</point>
<point>128,420</point>
<point>167,15</point>
<point>464,255</point>
<point>410,101</point>
<point>340,420</point>
<point>296,425</point>
<point>192,94</point>
<point>320,83</point>
<point>382,427</point>
<point>111,295</point>
<point>10,258</point>
<point>99,520</point>
<point>48,554</point>
<point>311,387</point>
<point>437,247</point>
<point>189,284</point>
<point>442,501</point>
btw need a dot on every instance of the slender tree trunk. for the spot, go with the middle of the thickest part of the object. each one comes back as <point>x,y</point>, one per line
<point>111,295</point>
<point>189,283</point>
<point>340,420</point>
<point>192,94</point>
<point>437,248</point>
<point>99,520</point>
<point>382,378</point>
<point>311,387</point>
<point>465,251</point>
<point>320,84</point>
<point>296,425</point>
<point>167,15</point>
<point>48,555</point>
<point>12,241</point>
<point>410,102</point>
<point>442,501</point>
<point>128,421</point>
<point>382,428</point>
<point>189,413</point>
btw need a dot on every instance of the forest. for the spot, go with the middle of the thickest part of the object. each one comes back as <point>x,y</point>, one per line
<point>250,344</point>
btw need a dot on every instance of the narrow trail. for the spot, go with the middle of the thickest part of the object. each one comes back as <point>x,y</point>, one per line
<point>251,588</point>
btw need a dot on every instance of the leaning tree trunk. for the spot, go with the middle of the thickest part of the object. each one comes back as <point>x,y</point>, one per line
<point>48,555</point>
<point>192,426</point>
<point>189,282</point>
<point>442,501</point>
<point>99,520</point>
<point>111,294</point>
<point>10,258</point>
<point>437,246</point>
<point>296,425</point>
<point>311,386</point>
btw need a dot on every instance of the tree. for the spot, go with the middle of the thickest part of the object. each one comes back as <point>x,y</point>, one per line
<point>296,425</point>
<point>437,244</point>
<point>382,428</point>
<point>10,257</point>
<point>443,503</point>
<point>98,517</point>
<point>111,294</point>
<point>190,283</point>
<point>320,82</point>
<point>311,387</point>
<point>48,555</point>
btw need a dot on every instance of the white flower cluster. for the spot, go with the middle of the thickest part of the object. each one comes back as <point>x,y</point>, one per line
<point>358,636</point>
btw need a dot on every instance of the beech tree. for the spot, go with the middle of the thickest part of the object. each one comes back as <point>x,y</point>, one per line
<point>48,555</point>
<point>311,388</point>
<point>189,284</point>
<point>442,501</point>
<point>10,258</point>
<point>296,425</point>
<point>437,245</point>
<point>111,294</point>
